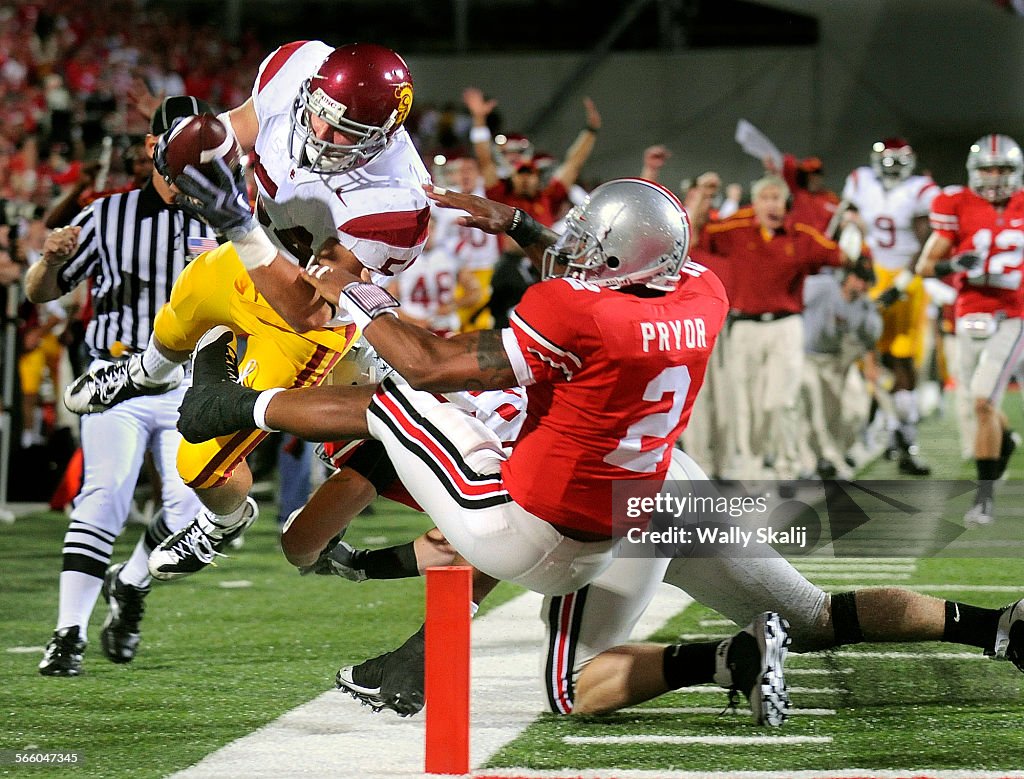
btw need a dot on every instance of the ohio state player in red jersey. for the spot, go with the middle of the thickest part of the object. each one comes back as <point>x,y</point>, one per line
<point>612,348</point>
<point>979,239</point>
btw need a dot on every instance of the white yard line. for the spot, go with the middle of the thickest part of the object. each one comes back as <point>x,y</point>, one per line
<point>716,710</point>
<point>712,689</point>
<point>928,587</point>
<point>634,773</point>
<point>855,575</point>
<point>822,568</point>
<point>894,655</point>
<point>334,734</point>
<point>725,741</point>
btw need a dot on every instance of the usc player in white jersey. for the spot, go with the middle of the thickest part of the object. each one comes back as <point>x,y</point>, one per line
<point>437,287</point>
<point>893,204</point>
<point>332,160</point>
<point>978,241</point>
<point>476,251</point>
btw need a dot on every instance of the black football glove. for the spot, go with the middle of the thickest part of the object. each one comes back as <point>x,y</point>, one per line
<point>890,296</point>
<point>223,203</point>
<point>958,263</point>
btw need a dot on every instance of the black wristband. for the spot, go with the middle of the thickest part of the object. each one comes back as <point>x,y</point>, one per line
<point>524,230</point>
<point>592,129</point>
<point>944,268</point>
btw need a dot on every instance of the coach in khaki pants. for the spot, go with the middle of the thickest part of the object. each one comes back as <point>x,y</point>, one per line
<point>769,256</point>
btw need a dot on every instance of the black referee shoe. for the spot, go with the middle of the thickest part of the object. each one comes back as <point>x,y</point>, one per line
<point>120,636</point>
<point>99,389</point>
<point>63,655</point>
<point>393,680</point>
<point>216,404</point>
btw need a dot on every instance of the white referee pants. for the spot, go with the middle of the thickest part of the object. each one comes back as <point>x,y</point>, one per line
<point>450,463</point>
<point>114,443</point>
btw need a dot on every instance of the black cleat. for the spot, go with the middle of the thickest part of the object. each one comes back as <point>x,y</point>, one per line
<point>99,389</point>
<point>120,636</point>
<point>216,404</point>
<point>63,655</point>
<point>752,662</point>
<point>192,548</point>
<point>393,680</point>
<point>910,463</point>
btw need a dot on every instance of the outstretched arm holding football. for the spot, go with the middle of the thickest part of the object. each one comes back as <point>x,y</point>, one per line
<point>198,158</point>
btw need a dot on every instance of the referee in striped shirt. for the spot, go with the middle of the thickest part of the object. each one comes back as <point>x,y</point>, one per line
<point>131,246</point>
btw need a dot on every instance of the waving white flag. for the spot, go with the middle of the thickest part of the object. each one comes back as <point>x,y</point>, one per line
<point>757,144</point>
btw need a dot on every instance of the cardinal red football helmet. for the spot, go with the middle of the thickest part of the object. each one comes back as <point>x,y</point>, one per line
<point>361,90</point>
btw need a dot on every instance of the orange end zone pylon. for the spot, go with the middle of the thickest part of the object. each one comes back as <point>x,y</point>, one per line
<point>449,592</point>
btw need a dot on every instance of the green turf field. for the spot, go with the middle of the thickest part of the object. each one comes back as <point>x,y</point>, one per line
<point>219,660</point>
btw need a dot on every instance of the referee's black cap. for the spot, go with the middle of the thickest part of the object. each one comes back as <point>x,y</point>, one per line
<point>173,107</point>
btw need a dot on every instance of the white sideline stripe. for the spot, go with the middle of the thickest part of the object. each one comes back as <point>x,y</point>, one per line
<point>718,710</point>
<point>25,650</point>
<point>718,623</point>
<point>639,773</point>
<point>334,730</point>
<point>726,741</point>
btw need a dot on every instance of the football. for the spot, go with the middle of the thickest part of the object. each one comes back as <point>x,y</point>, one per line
<point>198,141</point>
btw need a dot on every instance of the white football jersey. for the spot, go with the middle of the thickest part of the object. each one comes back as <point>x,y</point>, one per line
<point>889,214</point>
<point>428,286</point>
<point>378,210</point>
<point>474,249</point>
<point>503,411</point>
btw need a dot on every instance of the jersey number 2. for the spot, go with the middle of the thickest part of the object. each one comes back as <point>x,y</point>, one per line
<point>629,454</point>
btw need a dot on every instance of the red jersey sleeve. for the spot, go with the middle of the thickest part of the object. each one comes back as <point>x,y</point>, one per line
<point>541,342</point>
<point>944,217</point>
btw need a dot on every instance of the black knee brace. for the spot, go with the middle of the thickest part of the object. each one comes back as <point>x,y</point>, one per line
<point>844,618</point>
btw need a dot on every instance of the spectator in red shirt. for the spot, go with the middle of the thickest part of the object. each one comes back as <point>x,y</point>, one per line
<point>523,190</point>
<point>813,204</point>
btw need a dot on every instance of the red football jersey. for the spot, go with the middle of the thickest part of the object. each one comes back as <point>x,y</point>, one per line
<point>611,379</point>
<point>973,224</point>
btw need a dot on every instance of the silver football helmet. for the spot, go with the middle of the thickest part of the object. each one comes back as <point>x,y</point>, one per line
<point>995,167</point>
<point>627,231</point>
